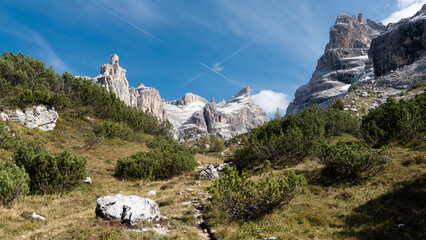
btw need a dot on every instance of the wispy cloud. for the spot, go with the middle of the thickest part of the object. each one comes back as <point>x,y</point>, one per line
<point>404,9</point>
<point>270,101</point>
<point>223,76</point>
<point>43,47</point>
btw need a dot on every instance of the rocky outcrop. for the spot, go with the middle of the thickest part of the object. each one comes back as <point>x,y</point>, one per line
<point>210,173</point>
<point>149,100</point>
<point>113,78</point>
<point>395,65</point>
<point>193,116</point>
<point>403,43</point>
<point>129,209</point>
<point>344,60</point>
<point>38,117</point>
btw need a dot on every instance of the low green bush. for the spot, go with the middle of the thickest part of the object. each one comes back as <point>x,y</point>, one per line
<point>351,161</point>
<point>50,172</point>
<point>401,121</point>
<point>242,198</point>
<point>288,140</point>
<point>13,182</point>
<point>110,129</point>
<point>165,160</point>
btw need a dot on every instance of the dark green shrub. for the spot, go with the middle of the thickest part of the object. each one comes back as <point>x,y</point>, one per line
<point>111,129</point>
<point>351,161</point>
<point>13,182</point>
<point>92,140</point>
<point>288,140</point>
<point>217,144</point>
<point>166,160</point>
<point>242,198</point>
<point>400,121</point>
<point>337,104</point>
<point>50,172</point>
<point>6,139</point>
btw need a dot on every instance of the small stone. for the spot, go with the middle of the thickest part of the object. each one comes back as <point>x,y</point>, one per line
<point>189,190</point>
<point>205,230</point>
<point>144,229</point>
<point>36,216</point>
<point>88,180</point>
<point>198,183</point>
<point>181,194</point>
<point>199,163</point>
<point>150,193</point>
<point>157,225</point>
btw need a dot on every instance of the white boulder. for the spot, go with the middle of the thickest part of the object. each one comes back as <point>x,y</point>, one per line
<point>130,209</point>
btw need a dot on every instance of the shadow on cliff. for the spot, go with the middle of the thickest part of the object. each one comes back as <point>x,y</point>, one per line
<point>399,214</point>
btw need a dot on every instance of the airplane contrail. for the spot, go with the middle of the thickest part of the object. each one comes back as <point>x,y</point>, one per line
<point>236,52</point>
<point>218,73</point>
<point>193,78</point>
<point>128,22</point>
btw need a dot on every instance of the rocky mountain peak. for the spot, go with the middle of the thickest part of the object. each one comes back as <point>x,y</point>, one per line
<point>244,92</point>
<point>344,59</point>
<point>113,78</point>
<point>366,62</point>
<point>403,43</point>
<point>189,98</point>
<point>193,116</point>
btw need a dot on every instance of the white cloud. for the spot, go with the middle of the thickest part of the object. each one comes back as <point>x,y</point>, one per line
<point>405,8</point>
<point>269,101</point>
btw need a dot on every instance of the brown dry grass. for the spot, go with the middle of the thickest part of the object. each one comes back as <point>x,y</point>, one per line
<point>72,215</point>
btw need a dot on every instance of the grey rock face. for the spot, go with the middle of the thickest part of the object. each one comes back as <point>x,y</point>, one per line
<point>38,117</point>
<point>210,173</point>
<point>149,100</point>
<point>344,60</point>
<point>113,78</point>
<point>403,43</point>
<point>193,116</point>
<point>130,209</point>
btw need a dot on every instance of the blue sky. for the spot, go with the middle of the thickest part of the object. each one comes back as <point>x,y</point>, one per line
<point>209,47</point>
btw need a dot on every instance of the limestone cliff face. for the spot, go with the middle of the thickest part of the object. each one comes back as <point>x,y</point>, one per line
<point>396,61</point>
<point>113,78</point>
<point>148,99</point>
<point>193,116</point>
<point>344,59</point>
<point>403,43</point>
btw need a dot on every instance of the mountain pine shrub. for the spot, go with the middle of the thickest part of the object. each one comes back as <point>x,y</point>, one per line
<point>13,182</point>
<point>401,121</point>
<point>112,129</point>
<point>351,161</point>
<point>287,141</point>
<point>242,198</point>
<point>165,160</point>
<point>50,172</point>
